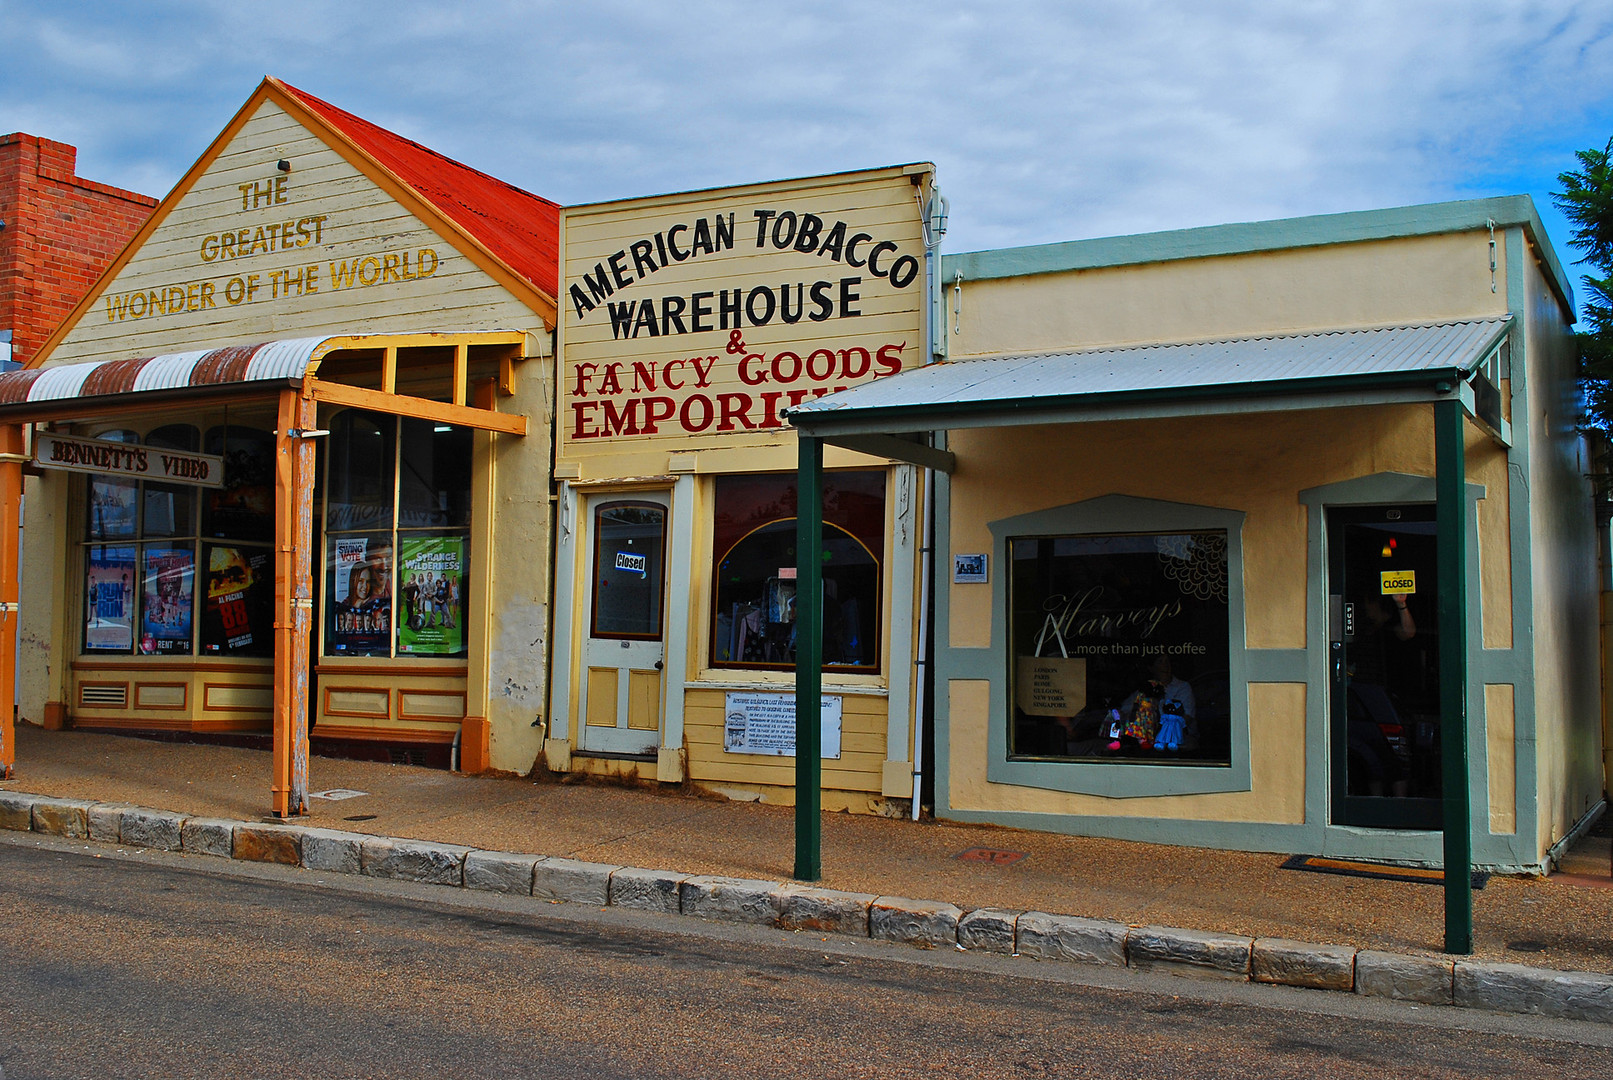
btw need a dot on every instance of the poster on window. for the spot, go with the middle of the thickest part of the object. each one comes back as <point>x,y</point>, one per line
<point>109,599</point>
<point>431,601</point>
<point>168,579</point>
<point>360,571</point>
<point>239,614</point>
<point>112,509</point>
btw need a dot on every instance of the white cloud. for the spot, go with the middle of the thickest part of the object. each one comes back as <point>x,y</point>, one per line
<point>1048,121</point>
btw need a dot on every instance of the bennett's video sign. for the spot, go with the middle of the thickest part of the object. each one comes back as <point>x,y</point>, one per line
<point>708,314</point>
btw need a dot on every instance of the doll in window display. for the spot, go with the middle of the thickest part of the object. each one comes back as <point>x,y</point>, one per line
<point>1158,715</point>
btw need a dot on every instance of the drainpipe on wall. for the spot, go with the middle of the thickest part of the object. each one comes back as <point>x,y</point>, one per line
<point>935,227</point>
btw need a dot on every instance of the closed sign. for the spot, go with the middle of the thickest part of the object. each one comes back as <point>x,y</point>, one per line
<point>1396,582</point>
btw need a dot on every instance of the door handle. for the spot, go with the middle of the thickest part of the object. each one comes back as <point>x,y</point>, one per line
<point>658,665</point>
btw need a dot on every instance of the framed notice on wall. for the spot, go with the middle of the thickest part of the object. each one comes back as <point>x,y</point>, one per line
<point>765,724</point>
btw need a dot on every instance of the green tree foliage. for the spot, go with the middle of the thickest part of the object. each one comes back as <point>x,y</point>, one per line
<point>1586,199</point>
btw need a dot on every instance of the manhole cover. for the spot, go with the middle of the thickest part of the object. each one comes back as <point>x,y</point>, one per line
<point>337,794</point>
<point>995,856</point>
<point>360,817</point>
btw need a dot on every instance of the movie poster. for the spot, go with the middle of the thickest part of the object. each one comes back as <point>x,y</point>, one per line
<point>243,509</point>
<point>238,619</point>
<point>109,599</point>
<point>359,622</point>
<point>431,600</point>
<point>112,509</point>
<point>168,577</point>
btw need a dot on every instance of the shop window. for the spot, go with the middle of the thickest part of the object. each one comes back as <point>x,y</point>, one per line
<point>397,537</point>
<point>142,594</point>
<point>753,624</point>
<point>1119,648</point>
<point>243,509</point>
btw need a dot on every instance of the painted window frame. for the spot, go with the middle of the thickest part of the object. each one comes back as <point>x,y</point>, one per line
<point>1120,779</point>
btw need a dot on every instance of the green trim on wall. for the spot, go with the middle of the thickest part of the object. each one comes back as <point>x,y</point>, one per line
<point>1488,848</point>
<point>1243,238</point>
<point>1118,779</point>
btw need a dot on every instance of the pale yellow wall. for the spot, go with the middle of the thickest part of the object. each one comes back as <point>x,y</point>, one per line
<point>1565,614</point>
<point>1276,767</point>
<point>1422,279</point>
<point>882,204</point>
<point>361,221</point>
<point>1501,762</point>
<point>1256,464</point>
<point>42,660</point>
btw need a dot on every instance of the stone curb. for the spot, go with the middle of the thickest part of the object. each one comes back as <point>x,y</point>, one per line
<point>1512,988</point>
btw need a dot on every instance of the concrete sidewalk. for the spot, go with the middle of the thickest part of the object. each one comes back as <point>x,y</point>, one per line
<point>1563,922</point>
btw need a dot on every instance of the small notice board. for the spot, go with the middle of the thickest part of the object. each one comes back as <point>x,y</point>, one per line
<point>765,724</point>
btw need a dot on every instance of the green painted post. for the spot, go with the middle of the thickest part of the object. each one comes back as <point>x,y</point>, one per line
<point>809,661</point>
<point>1451,505</point>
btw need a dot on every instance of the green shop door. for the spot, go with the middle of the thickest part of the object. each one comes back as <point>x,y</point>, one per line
<point>1383,659</point>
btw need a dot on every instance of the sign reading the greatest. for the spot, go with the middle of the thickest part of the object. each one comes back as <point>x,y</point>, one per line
<point>711,313</point>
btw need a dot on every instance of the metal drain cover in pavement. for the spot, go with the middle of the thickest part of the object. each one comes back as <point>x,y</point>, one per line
<point>995,856</point>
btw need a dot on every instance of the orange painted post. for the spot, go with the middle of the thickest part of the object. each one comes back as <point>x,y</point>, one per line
<point>10,522</point>
<point>293,600</point>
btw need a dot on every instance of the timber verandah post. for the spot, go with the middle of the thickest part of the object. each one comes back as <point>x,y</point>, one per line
<point>1450,469</point>
<point>293,599</point>
<point>809,660</point>
<point>11,446</point>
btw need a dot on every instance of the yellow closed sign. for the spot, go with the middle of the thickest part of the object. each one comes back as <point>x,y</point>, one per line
<point>1398,581</point>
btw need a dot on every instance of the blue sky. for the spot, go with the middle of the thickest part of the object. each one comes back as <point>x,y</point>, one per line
<point>1047,121</point>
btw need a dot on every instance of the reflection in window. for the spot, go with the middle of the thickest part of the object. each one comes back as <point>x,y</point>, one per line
<point>243,509</point>
<point>397,536</point>
<point>629,559</point>
<point>1120,648</point>
<point>755,570</point>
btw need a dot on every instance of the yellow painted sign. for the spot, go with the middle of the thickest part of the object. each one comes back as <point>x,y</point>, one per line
<point>709,314</point>
<point>1396,582</point>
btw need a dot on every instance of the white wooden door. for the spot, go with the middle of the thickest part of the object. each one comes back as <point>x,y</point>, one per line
<point>624,651</point>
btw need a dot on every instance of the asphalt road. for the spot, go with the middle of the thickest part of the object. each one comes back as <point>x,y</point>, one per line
<point>138,964</point>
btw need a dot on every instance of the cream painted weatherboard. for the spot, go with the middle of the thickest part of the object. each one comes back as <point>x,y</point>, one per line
<point>358,261</point>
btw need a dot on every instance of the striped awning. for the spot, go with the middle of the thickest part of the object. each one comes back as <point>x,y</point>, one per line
<point>268,361</point>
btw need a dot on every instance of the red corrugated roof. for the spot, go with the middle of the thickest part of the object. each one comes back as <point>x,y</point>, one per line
<point>520,228</point>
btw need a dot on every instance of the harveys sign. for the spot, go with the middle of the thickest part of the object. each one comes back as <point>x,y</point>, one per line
<point>710,314</point>
<point>127,459</point>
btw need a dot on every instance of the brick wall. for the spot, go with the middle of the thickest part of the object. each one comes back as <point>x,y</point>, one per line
<point>60,233</point>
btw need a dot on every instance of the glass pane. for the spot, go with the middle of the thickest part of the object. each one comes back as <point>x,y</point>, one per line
<point>113,502</point>
<point>754,568</point>
<point>243,509</point>
<point>431,600</point>
<point>169,509</point>
<point>755,621</point>
<point>113,505</point>
<point>1120,648</point>
<point>1391,653</point>
<point>168,589</point>
<point>358,595</point>
<point>362,465</point>
<point>109,598</point>
<point>434,467</point>
<point>238,613</point>
<point>628,555</point>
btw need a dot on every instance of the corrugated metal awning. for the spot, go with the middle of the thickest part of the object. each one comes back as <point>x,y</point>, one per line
<point>269,361</point>
<point>1310,370</point>
<point>71,392</point>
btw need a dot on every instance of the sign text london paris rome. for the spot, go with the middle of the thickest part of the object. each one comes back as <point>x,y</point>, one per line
<point>686,394</point>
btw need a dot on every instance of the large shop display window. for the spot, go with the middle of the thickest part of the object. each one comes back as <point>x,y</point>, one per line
<point>397,536</point>
<point>145,540</point>
<point>753,624</point>
<point>1119,647</point>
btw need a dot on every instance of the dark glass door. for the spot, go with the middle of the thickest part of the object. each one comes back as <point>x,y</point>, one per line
<point>1383,657</point>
